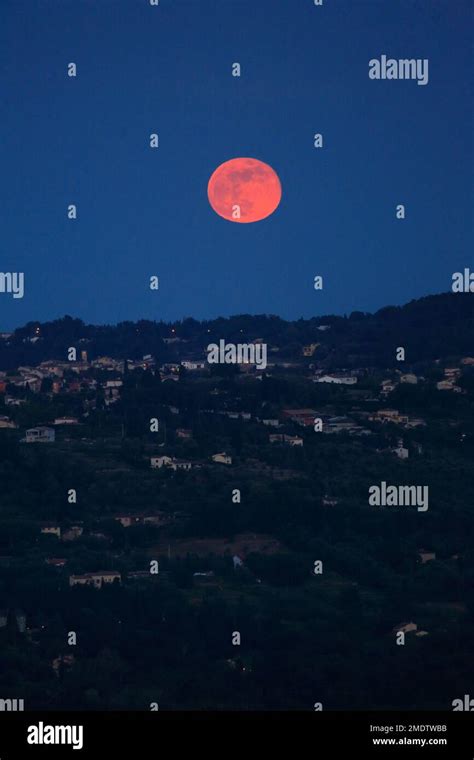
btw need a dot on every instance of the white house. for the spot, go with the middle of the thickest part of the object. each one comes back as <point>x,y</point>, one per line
<point>271,422</point>
<point>51,529</point>
<point>337,379</point>
<point>401,451</point>
<point>222,458</point>
<point>446,385</point>
<point>12,401</point>
<point>387,386</point>
<point>40,435</point>
<point>192,365</point>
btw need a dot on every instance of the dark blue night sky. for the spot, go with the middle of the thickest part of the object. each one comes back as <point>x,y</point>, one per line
<point>142,212</point>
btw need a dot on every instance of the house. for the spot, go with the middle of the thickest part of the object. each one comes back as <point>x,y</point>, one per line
<point>337,379</point>
<point>55,562</point>
<point>426,556</point>
<point>193,365</point>
<point>310,349</point>
<point>415,422</point>
<point>182,433</point>
<point>6,422</point>
<point>12,401</point>
<point>237,561</point>
<point>303,417</point>
<point>405,628</point>
<point>75,531</point>
<point>409,377</point>
<point>222,458</point>
<point>31,382</point>
<point>159,518</point>
<point>290,440</point>
<point>171,462</point>
<point>275,437</point>
<point>105,362</point>
<point>447,385</point>
<point>387,386</point>
<point>130,520</point>
<point>51,529</point>
<point>53,368</point>
<point>389,415</point>
<point>66,421</point>
<point>340,425</point>
<point>97,580</point>
<point>401,451</point>
<point>271,422</point>
<point>40,435</point>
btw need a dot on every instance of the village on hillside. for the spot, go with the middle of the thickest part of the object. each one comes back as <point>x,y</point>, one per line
<point>156,497</point>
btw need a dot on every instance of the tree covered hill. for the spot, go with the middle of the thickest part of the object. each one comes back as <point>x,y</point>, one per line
<point>429,328</point>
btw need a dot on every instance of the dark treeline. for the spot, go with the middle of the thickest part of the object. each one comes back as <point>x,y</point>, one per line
<point>354,340</point>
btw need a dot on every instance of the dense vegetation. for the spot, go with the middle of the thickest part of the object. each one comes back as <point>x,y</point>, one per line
<point>305,637</point>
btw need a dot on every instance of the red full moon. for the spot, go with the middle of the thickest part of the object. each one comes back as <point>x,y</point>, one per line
<point>244,190</point>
